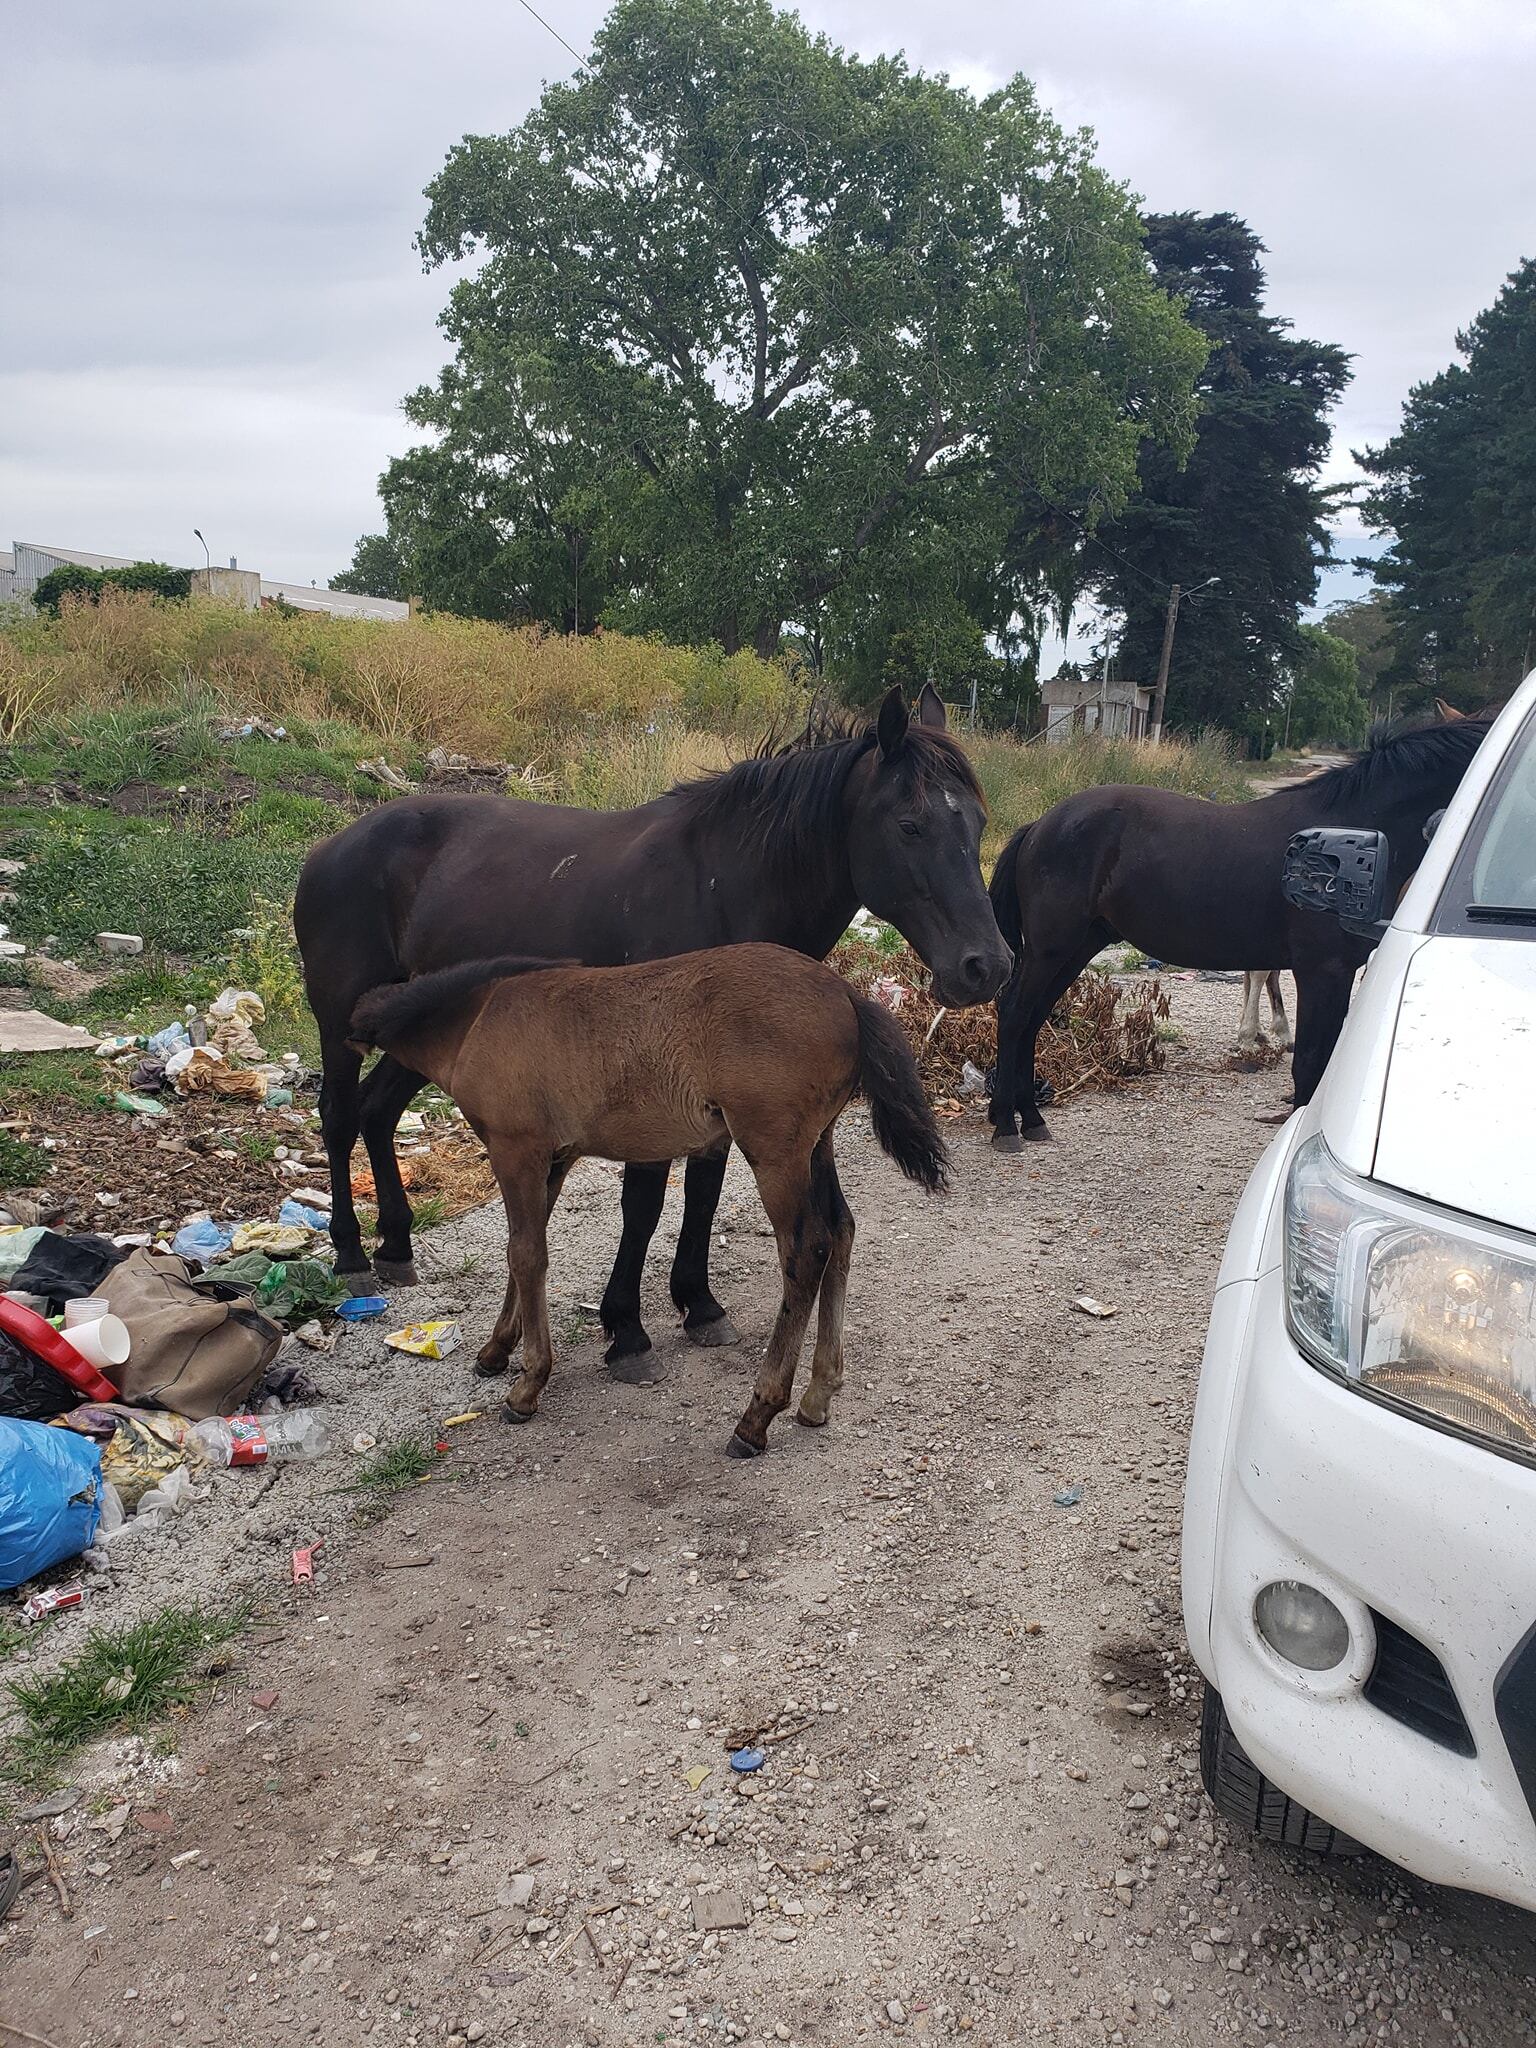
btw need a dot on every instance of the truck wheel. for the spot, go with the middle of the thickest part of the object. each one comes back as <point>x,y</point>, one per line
<point>1242,1794</point>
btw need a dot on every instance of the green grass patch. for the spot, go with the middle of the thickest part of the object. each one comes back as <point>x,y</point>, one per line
<point>391,1470</point>
<point>121,1678</point>
<point>21,1165</point>
<point>34,1079</point>
<point>181,892</point>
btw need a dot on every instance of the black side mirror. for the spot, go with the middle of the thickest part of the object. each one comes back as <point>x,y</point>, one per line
<point>1345,874</point>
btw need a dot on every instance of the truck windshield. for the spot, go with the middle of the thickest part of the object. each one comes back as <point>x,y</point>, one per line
<point>1502,845</point>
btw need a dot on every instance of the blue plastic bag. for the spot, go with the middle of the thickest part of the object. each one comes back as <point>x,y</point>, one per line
<point>306,1218</point>
<point>203,1240</point>
<point>174,1038</point>
<point>50,1497</point>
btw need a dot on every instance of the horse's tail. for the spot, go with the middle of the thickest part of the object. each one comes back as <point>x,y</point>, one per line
<point>1004,891</point>
<point>898,1109</point>
<point>385,1016</point>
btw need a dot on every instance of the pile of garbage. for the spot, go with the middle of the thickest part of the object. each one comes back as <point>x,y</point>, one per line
<point>215,1051</point>
<point>132,1369</point>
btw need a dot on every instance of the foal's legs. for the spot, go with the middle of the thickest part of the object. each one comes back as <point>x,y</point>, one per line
<point>496,1352</point>
<point>523,1173</point>
<point>805,1244</point>
<point>827,1360</point>
<point>385,1096</point>
<point>704,1320</point>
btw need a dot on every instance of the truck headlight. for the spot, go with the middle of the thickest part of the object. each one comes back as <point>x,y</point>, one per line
<point>1426,1308</point>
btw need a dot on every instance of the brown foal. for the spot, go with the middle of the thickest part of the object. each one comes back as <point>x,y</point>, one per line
<point>656,1061</point>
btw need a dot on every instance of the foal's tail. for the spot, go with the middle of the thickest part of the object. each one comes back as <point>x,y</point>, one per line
<point>898,1108</point>
<point>1004,892</point>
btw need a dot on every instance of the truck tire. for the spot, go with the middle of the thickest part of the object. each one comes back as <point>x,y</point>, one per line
<point>1241,1793</point>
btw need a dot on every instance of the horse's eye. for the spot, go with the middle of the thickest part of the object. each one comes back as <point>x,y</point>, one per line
<point>911,827</point>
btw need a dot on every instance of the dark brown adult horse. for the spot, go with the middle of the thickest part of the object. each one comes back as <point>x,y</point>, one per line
<point>783,848</point>
<point>1199,883</point>
<point>675,1056</point>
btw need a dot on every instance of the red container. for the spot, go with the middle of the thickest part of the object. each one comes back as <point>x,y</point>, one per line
<point>36,1334</point>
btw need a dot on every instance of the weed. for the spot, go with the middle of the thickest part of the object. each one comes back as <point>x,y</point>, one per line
<point>470,1263</point>
<point>21,1165</point>
<point>429,1210</point>
<point>121,1678</point>
<point>398,1465</point>
<point>38,1078</point>
<point>257,1145</point>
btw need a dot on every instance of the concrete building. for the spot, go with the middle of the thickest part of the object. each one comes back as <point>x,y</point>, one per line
<point>27,562</point>
<point>1115,709</point>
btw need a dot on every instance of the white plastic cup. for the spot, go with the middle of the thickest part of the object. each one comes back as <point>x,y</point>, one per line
<point>90,1309</point>
<point>104,1343</point>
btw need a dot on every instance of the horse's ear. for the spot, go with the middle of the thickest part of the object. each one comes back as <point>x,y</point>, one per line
<point>930,709</point>
<point>1448,711</point>
<point>891,725</point>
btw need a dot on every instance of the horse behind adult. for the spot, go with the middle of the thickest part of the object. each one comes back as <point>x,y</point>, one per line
<point>1199,882</point>
<point>783,849</point>
<point>549,1062</point>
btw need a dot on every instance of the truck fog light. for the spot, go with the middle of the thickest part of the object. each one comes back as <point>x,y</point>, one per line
<point>1301,1625</point>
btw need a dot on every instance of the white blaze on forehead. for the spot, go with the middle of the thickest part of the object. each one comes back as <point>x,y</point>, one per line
<point>951,799</point>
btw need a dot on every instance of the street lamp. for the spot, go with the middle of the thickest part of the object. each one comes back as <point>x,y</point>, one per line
<point>1160,695</point>
<point>207,558</point>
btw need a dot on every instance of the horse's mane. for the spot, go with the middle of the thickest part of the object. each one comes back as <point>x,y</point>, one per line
<point>785,800</point>
<point>1401,753</point>
<point>398,1008</point>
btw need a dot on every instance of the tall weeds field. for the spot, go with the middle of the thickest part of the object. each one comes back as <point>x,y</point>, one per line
<point>133,810</point>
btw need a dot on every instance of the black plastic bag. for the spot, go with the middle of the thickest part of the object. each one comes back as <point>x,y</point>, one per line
<point>30,1389</point>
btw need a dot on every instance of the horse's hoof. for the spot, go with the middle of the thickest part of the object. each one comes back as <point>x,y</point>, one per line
<point>1038,1134</point>
<point>490,1368</point>
<point>632,1368</point>
<point>1007,1141</point>
<point>718,1330</point>
<point>511,1414</point>
<point>396,1272</point>
<point>811,1421</point>
<point>738,1447</point>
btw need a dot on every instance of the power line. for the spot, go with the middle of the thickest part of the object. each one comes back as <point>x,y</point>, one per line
<point>560,39</point>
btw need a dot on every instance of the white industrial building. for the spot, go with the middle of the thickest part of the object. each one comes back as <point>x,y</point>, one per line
<point>26,563</point>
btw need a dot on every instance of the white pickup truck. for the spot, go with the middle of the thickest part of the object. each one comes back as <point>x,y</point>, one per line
<point>1360,1513</point>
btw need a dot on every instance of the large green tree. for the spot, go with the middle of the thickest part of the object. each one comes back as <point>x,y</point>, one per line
<point>376,569</point>
<point>1246,508</point>
<point>1323,701</point>
<point>761,335</point>
<point>1456,487</point>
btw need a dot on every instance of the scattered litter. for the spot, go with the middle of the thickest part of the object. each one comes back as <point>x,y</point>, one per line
<point>426,1340</point>
<point>1069,1496</point>
<point>50,1497</point>
<point>201,1238</point>
<point>362,1308</point>
<point>187,1856</point>
<point>253,1439</point>
<point>364,1441</point>
<point>119,943</point>
<point>52,1600</point>
<point>697,1775</point>
<point>137,1105</point>
<point>51,1807</point>
<point>299,1216</point>
<point>745,1760</point>
<point>453,1421</point>
<point>266,1701</point>
<point>304,1562</point>
<point>277,1240</point>
<point>1090,1307</point>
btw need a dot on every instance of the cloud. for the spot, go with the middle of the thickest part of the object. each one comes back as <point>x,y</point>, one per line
<point>213,307</point>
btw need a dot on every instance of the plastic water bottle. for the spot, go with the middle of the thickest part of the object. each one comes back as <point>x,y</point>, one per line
<point>254,1439</point>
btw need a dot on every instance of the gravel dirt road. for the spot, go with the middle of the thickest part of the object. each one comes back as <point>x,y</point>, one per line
<point>476,1788</point>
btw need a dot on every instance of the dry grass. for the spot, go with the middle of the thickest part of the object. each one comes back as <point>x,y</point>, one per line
<point>1098,1035</point>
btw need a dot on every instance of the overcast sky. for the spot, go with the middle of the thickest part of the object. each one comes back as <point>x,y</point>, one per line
<point>210,307</point>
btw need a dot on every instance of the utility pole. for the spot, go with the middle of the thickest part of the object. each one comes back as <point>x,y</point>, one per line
<point>1160,695</point>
